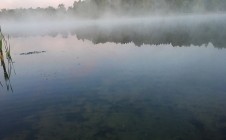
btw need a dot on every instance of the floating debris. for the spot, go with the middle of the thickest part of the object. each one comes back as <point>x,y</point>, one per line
<point>34,52</point>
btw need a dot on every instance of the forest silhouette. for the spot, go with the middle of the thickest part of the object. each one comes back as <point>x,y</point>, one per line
<point>108,8</point>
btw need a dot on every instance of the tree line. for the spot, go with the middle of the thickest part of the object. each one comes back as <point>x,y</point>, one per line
<point>99,8</point>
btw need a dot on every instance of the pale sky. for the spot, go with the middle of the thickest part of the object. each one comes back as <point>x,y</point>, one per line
<point>10,4</point>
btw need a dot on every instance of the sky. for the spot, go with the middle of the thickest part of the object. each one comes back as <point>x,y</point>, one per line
<point>11,4</point>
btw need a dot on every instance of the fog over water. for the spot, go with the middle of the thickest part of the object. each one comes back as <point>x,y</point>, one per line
<point>178,30</point>
<point>122,21</point>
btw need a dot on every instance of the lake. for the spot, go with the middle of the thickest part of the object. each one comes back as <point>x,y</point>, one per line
<point>96,82</point>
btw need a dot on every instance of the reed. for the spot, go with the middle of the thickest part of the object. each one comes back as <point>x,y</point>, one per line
<point>7,67</point>
<point>1,39</point>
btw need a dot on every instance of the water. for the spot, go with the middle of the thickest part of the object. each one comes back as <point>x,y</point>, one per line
<point>70,88</point>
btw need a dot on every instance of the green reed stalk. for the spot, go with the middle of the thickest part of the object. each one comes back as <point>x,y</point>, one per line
<point>1,44</point>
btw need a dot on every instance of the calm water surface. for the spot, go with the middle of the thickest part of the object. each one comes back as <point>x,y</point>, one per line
<point>78,90</point>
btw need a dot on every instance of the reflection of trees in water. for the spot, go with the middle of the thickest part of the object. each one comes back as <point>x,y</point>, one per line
<point>7,67</point>
<point>177,35</point>
<point>177,31</point>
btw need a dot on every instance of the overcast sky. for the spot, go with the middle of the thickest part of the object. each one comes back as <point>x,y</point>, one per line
<point>9,4</point>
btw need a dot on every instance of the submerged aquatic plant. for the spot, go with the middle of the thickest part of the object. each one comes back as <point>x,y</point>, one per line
<point>7,68</point>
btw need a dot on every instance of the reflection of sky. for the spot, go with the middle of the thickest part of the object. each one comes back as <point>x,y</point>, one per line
<point>33,3</point>
<point>69,60</point>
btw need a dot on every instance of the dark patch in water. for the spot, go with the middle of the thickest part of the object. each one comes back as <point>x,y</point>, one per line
<point>203,132</point>
<point>74,117</point>
<point>34,52</point>
<point>179,138</point>
<point>222,119</point>
<point>103,131</point>
<point>16,128</point>
<point>223,132</point>
<point>198,124</point>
